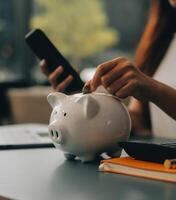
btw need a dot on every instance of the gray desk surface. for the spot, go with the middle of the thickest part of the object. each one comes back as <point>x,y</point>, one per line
<point>43,174</point>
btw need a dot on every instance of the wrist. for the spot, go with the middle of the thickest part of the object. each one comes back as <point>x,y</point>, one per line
<point>150,89</point>
<point>164,97</point>
<point>155,91</point>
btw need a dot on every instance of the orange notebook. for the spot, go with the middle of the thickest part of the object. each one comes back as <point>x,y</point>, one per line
<point>132,167</point>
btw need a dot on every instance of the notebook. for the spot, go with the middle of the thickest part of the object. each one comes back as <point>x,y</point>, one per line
<point>130,166</point>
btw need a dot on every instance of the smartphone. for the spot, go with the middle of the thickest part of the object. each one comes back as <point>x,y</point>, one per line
<point>43,48</point>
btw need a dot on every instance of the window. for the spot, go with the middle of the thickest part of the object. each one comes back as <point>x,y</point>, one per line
<point>87,32</point>
<point>14,55</point>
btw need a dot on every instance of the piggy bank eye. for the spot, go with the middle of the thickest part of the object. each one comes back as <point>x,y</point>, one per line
<point>55,112</point>
<point>65,114</point>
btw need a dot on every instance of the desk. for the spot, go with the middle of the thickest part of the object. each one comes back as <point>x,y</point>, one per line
<point>43,174</point>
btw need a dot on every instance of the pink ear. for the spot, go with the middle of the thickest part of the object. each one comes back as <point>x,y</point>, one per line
<point>90,105</point>
<point>55,97</point>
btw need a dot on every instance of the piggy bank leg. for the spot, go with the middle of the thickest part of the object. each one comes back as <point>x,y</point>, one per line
<point>114,153</point>
<point>69,156</point>
<point>87,158</point>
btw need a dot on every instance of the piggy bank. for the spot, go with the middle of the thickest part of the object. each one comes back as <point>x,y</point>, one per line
<point>87,125</point>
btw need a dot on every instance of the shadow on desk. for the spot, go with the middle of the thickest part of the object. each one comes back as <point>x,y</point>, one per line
<point>76,176</point>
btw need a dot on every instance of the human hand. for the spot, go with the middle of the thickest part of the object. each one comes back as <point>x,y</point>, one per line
<point>122,78</point>
<point>53,76</point>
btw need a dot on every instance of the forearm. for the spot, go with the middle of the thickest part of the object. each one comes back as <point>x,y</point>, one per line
<point>164,97</point>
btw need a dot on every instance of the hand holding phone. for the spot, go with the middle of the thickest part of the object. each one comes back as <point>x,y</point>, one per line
<point>53,76</point>
<point>44,49</point>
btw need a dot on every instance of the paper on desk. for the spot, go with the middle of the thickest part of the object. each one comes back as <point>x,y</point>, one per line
<point>24,134</point>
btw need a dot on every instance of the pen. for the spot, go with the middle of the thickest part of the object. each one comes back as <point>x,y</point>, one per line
<point>170,163</point>
<point>26,146</point>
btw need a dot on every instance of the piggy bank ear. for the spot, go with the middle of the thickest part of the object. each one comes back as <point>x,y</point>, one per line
<point>55,97</point>
<point>90,106</point>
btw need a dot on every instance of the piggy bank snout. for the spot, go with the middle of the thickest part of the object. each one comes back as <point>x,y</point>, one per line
<point>56,135</point>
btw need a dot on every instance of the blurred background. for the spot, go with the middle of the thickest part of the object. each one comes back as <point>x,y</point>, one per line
<point>87,33</point>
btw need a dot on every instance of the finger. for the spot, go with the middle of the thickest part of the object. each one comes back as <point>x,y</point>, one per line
<point>119,83</point>
<point>54,76</point>
<point>43,67</point>
<point>118,71</point>
<point>64,84</point>
<point>102,70</point>
<point>126,91</point>
<point>115,61</point>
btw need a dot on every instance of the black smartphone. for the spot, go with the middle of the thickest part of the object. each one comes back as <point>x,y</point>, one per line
<point>44,49</point>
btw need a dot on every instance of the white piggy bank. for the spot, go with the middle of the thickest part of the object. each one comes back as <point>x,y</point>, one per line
<point>86,125</point>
